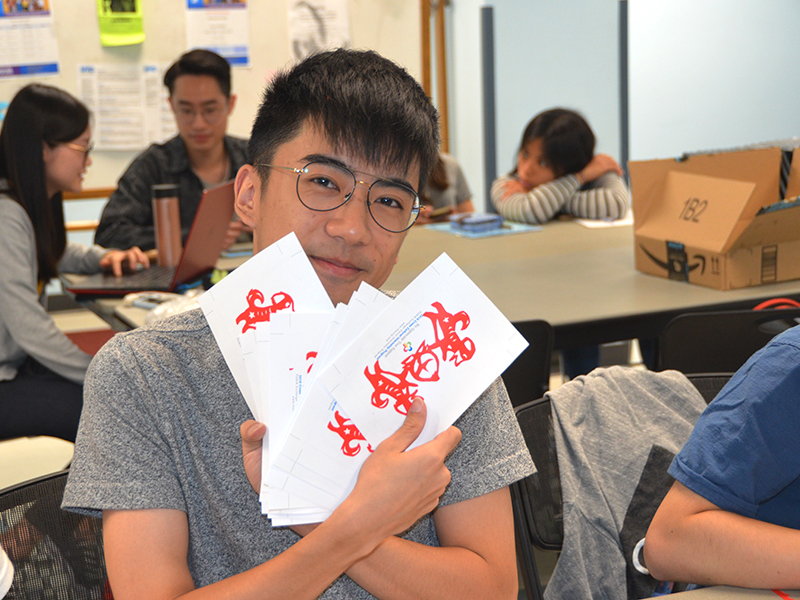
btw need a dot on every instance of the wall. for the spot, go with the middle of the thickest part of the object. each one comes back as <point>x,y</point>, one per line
<point>388,26</point>
<point>547,54</point>
<point>712,74</point>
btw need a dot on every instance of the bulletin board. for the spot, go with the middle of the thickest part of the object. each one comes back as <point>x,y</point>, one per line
<point>391,28</point>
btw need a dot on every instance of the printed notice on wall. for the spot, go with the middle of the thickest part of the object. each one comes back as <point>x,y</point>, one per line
<point>129,104</point>
<point>27,39</point>
<point>317,25</point>
<point>120,22</point>
<point>220,26</point>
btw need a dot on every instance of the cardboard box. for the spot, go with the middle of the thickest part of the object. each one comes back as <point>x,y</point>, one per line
<point>718,219</point>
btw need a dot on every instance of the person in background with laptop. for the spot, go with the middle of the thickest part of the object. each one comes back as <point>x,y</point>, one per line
<point>201,156</point>
<point>44,150</point>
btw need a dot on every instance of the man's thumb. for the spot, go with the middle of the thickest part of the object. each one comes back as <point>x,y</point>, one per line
<point>411,427</point>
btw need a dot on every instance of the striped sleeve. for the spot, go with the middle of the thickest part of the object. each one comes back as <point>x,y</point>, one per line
<point>539,205</point>
<point>605,198</point>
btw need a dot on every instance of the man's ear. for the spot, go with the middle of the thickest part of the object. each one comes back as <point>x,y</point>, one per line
<point>231,103</point>
<point>247,189</point>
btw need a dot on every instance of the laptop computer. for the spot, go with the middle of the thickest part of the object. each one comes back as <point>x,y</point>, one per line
<point>200,254</point>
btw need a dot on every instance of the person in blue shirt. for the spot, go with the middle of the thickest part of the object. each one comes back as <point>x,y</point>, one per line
<point>732,516</point>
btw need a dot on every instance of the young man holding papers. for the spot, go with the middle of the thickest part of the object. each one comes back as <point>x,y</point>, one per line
<point>160,452</point>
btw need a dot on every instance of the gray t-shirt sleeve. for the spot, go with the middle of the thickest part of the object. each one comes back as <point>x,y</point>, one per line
<point>492,453</point>
<point>125,461</point>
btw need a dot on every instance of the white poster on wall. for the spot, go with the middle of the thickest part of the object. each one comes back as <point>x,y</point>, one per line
<point>317,25</point>
<point>128,103</point>
<point>27,39</point>
<point>220,26</point>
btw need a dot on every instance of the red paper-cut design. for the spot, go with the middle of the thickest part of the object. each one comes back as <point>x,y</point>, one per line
<point>447,340</point>
<point>310,356</point>
<point>256,312</point>
<point>351,436</point>
<point>391,386</point>
<point>423,365</point>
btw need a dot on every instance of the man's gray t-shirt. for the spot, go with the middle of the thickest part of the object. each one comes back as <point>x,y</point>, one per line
<point>160,429</point>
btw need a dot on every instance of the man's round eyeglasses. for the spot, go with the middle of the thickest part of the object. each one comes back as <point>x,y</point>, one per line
<point>323,186</point>
<point>85,149</point>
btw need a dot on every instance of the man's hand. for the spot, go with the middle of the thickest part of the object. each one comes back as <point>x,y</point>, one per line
<point>599,165</point>
<point>252,433</point>
<point>394,487</point>
<point>117,260</point>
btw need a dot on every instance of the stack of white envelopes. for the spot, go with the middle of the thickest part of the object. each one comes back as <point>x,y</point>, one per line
<point>331,383</point>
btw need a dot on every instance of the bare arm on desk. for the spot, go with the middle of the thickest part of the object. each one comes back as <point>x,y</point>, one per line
<point>694,541</point>
<point>146,550</point>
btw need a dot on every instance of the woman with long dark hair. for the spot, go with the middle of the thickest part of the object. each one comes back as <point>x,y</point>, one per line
<point>44,150</point>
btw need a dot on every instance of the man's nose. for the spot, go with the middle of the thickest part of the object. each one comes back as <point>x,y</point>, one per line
<point>352,221</point>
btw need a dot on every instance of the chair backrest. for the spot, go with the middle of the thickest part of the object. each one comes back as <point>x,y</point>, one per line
<point>722,341</point>
<point>528,377</point>
<point>56,554</point>
<point>538,514</point>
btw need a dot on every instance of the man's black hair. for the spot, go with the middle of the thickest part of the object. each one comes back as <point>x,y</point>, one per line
<point>359,100</point>
<point>200,62</point>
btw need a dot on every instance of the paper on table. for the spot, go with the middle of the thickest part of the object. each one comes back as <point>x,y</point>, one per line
<point>280,277</point>
<point>627,219</point>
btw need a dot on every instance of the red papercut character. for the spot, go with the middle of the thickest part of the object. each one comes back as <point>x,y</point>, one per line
<point>309,359</point>
<point>423,365</point>
<point>447,340</point>
<point>254,313</point>
<point>395,386</point>
<point>351,436</point>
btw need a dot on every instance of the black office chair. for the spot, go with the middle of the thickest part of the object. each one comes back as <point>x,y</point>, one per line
<point>722,341</point>
<point>538,514</point>
<point>528,377</point>
<point>55,553</point>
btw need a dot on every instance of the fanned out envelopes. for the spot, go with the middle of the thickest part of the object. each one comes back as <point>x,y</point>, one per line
<point>331,383</point>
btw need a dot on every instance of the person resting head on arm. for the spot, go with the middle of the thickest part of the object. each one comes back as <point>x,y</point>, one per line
<point>731,517</point>
<point>45,143</point>
<point>557,172</point>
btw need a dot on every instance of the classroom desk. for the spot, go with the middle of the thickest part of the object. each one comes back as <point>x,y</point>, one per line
<point>582,281</point>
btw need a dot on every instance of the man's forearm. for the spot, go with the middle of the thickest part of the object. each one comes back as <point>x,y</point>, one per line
<point>476,558</point>
<point>400,569</point>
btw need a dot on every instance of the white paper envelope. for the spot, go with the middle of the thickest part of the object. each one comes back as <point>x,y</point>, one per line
<point>442,339</point>
<point>326,471</point>
<point>322,453</point>
<point>280,277</point>
<point>294,339</point>
<point>247,343</point>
